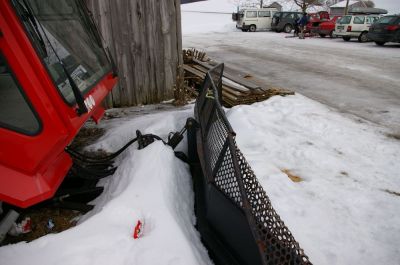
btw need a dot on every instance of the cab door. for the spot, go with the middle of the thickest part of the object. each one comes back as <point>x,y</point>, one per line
<point>32,136</point>
<point>265,19</point>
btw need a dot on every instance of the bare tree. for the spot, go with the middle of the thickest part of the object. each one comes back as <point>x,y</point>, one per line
<point>250,2</point>
<point>368,3</point>
<point>346,10</point>
<point>304,4</point>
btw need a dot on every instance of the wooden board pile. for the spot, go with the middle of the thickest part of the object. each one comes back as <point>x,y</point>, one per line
<point>237,88</point>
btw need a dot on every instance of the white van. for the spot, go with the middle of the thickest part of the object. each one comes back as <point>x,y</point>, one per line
<point>252,19</point>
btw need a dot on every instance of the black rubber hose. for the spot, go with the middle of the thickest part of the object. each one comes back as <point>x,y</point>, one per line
<point>98,160</point>
<point>91,159</point>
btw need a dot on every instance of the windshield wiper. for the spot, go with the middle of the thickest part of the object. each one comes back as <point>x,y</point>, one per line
<point>82,109</point>
<point>27,16</point>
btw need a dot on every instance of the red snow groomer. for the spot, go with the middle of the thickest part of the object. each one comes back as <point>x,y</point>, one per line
<point>54,75</point>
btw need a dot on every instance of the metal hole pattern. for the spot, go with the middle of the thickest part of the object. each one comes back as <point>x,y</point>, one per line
<point>216,137</point>
<point>273,237</point>
<point>226,181</point>
<point>278,242</point>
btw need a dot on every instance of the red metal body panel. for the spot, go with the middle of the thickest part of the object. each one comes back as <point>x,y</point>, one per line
<point>32,167</point>
<point>315,20</point>
<point>328,26</point>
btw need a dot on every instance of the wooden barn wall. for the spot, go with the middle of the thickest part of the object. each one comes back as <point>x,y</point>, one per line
<point>145,39</point>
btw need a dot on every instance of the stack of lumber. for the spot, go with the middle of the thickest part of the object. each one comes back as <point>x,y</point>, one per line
<point>236,89</point>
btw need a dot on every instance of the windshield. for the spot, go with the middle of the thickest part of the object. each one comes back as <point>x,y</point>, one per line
<point>277,14</point>
<point>345,20</point>
<point>62,33</point>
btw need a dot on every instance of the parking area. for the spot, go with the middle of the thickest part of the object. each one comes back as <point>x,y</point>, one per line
<point>361,79</point>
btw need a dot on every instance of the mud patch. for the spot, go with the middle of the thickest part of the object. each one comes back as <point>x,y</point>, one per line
<point>392,192</point>
<point>61,218</point>
<point>292,176</point>
<point>393,135</point>
<point>87,136</point>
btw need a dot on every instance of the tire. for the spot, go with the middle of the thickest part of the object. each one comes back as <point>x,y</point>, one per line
<point>346,38</point>
<point>331,34</point>
<point>380,43</point>
<point>244,30</point>
<point>252,28</point>
<point>288,28</point>
<point>363,37</point>
<point>322,35</point>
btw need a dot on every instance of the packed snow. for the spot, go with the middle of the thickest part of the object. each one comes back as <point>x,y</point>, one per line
<point>343,211</point>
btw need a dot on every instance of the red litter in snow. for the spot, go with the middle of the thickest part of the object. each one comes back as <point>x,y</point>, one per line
<point>138,230</point>
<point>26,225</point>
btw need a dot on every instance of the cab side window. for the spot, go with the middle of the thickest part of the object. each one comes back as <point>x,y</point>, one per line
<point>251,14</point>
<point>15,111</point>
<point>359,20</point>
<point>264,13</point>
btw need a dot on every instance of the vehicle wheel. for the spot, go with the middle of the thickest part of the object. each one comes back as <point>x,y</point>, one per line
<point>244,30</point>
<point>345,38</point>
<point>288,28</point>
<point>363,37</point>
<point>252,28</point>
<point>331,34</point>
<point>380,43</point>
<point>322,35</point>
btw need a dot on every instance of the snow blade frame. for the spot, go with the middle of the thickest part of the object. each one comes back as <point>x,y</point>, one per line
<point>235,217</point>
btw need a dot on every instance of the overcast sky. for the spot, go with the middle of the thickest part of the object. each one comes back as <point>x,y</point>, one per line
<point>393,6</point>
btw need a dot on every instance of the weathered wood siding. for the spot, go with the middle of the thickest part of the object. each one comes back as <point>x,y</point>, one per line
<point>145,39</point>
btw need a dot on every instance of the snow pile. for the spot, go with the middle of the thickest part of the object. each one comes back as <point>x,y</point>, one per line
<point>197,22</point>
<point>215,6</point>
<point>344,211</point>
<point>150,185</point>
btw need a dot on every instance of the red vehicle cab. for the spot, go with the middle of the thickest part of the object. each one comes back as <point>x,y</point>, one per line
<point>328,27</point>
<point>54,74</point>
<point>315,19</point>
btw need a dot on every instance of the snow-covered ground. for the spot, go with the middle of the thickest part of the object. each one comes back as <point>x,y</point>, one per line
<point>344,211</point>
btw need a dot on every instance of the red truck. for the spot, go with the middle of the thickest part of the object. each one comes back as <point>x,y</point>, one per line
<point>328,27</point>
<point>315,19</point>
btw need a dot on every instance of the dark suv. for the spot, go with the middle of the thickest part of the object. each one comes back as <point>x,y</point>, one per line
<point>386,29</point>
<point>284,21</point>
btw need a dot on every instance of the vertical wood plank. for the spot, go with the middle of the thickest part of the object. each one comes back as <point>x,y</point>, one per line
<point>145,39</point>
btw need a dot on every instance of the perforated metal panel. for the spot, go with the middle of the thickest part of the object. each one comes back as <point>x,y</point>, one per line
<point>226,181</point>
<point>279,245</point>
<point>229,171</point>
<point>217,134</point>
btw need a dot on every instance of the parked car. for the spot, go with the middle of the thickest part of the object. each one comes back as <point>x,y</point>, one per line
<point>254,18</point>
<point>355,26</point>
<point>314,19</point>
<point>285,21</point>
<point>328,27</point>
<point>386,29</point>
